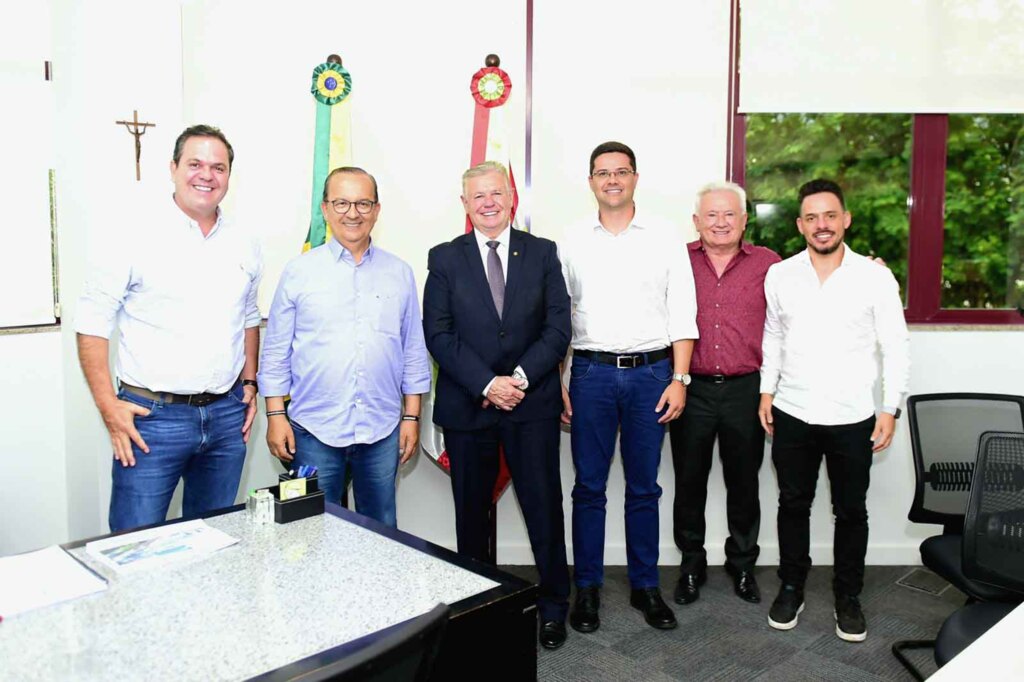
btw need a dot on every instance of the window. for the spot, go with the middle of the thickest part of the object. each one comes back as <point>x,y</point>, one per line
<point>956,251</point>
<point>867,154</point>
<point>984,216</point>
<point>939,196</point>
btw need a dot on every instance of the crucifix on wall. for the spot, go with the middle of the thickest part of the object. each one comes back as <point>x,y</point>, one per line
<point>137,129</point>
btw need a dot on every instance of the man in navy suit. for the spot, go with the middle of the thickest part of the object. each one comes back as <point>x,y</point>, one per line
<point>496,320</point>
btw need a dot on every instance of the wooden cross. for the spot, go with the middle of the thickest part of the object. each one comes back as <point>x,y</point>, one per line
<point>137,129</point>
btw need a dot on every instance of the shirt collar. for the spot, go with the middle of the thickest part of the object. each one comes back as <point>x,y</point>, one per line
<point>849,256</point>
<point>339,252</point>
<point>745,247</point>
<point>503,238</point>
<point>633,224</point>
<point>193,225</point>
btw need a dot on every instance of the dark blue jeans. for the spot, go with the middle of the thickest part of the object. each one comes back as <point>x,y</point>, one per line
<point>203,445</point>
<point>374,469</point>
<point>603,399</point>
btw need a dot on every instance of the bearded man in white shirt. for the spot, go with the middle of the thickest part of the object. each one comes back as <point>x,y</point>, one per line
<point>830,311</point>
<point>181,287</point>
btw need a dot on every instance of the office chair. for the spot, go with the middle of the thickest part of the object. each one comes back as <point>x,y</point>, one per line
<point>945,429</point>
<point>993,545</point>
<point>407,654</point>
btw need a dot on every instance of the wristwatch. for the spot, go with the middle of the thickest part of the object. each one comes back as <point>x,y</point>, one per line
<point>894,411</point>
<point>684,379</point>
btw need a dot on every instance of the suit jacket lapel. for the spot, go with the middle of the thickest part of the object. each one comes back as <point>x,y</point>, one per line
<point>516,254</point>
<point>478,277</point>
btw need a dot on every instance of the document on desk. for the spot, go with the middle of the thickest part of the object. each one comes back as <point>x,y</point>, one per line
<point>160,546</point>
<point>47,576</point>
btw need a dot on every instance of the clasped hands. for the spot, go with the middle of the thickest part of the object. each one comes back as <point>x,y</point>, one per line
<point>505,393</point>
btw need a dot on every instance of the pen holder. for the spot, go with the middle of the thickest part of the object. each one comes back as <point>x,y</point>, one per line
<point>312,484</point>
<point>304,506</point>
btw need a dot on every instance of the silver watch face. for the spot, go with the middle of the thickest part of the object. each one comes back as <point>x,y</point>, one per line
<point>684,379</point>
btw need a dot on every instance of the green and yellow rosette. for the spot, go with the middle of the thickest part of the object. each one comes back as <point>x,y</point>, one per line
<point>332,83</point>
<point>331,87</point>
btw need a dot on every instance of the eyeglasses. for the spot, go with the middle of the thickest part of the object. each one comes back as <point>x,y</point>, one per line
<point>620,173</point>
<point>363,206</point>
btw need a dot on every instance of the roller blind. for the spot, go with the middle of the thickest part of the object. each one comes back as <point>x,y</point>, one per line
<point>882,56</point>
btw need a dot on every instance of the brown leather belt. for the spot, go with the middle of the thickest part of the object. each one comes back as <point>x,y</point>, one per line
<point>195,400</point>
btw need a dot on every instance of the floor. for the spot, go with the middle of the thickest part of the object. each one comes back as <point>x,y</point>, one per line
<point>721,637</point>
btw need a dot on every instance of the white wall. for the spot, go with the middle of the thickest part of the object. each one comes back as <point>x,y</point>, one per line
<point>33,504</point>
<point>661,90</point>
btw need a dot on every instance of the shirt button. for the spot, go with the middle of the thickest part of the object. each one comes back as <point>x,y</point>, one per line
<point>716,326</point>
<point>717,306</point>
<point>718,367</point>
<point>716,346</point>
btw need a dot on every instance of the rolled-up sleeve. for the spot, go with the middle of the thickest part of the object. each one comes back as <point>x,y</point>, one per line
<point>252,311</point>
<point>103,297</point>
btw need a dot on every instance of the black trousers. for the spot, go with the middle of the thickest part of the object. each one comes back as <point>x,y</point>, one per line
<point>728,411</point>
<point>797,448</point>
<point>531,451</point>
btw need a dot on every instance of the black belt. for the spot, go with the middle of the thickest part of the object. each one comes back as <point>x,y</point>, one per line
<point>195,400</point>
<point>625,361</point>
<point>720,378</point>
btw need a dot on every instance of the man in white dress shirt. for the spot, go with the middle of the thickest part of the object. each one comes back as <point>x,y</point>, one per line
<point>830,311</point>
<point>633,326</point>
<point>181,287</point>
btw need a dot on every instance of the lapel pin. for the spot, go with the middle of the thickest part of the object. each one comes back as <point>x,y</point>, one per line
<point>515,253</point>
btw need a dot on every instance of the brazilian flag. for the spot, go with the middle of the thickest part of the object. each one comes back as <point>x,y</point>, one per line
<point>332,84</point>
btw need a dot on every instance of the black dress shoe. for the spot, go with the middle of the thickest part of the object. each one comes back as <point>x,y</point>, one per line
<point>552,634</point>
<point>745,585</point>
<point>656,611</point>
<point>583,617</point>
<point>688,588</point>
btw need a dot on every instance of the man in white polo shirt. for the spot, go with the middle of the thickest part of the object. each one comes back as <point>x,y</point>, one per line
<point>830,311</point>
<point>181,287</point>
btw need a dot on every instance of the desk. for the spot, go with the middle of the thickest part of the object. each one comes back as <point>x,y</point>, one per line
<point>997,655</point>
<point>285,600</point>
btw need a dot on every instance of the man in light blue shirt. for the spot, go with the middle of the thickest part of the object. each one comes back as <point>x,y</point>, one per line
<point>345,341</point>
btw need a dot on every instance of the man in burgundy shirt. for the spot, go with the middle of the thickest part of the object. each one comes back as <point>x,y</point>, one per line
<point>723,397</point>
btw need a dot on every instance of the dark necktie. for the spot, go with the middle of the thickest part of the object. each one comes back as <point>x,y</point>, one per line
<point>494,276</point>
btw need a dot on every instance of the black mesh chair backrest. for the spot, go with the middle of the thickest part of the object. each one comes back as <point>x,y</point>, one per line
<point>944,433</point>
<point>993,544</point>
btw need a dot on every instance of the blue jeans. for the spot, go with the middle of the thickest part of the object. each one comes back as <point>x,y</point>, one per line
<point>374,470</point>
<point>603,398</point>
<point>203,445</point>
